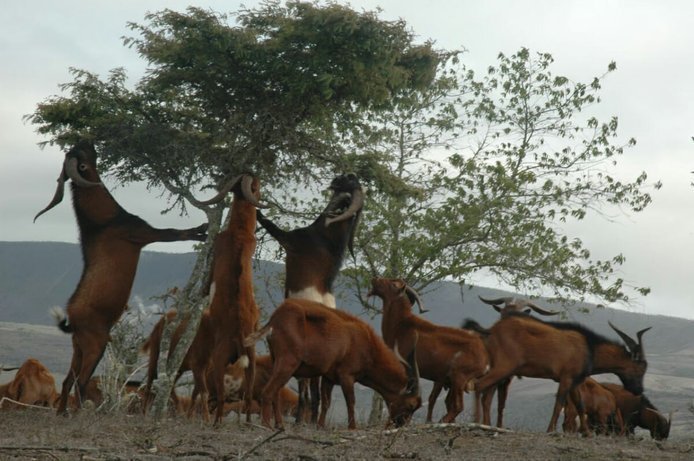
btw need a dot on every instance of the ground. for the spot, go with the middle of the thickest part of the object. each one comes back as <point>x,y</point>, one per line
<point>39,434</point>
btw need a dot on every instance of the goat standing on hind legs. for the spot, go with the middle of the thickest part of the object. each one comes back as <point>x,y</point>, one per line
<point>234,314</point>
<point>315,254</point>
<point>111,241</point>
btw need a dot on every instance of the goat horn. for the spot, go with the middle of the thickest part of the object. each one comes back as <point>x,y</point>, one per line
<point>631,344</point>
<point>411,290</point>
<point>539,310</point>
<point>246,183</point>
<point>223,192</point>
<point>57,196</point>
<point>355,205</point>
<point>71,171</point>
<point>496,301</point>
<point>640,333</point>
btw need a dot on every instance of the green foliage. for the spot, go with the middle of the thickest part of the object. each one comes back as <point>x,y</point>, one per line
<point>465,173</point>
<point>526,159</point>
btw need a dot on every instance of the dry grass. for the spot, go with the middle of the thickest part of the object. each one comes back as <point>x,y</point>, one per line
<point>34,434</point>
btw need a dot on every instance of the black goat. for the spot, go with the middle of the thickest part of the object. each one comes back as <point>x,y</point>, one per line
<point>314,255</point>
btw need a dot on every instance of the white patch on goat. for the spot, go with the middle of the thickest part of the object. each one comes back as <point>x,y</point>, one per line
<point>213,288</point>
<point>59,315</point>
<point>312,294</point>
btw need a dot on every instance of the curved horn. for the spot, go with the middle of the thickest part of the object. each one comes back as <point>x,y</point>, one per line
<point>631,344</point>
<point>412,387</point>
<point>540,310</point>
<point>72,173</point>
<point>496,301</point>
<point>640,333</point>
<point>57,196</point>
<point>414,294</point>
<point>246,183</point>
<point>223,192</point>
<point>355,205</point>
<point>336,198</point>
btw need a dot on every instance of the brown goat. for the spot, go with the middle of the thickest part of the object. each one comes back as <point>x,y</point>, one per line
<point>33,384</point>
<point>197,357</point>
<point>314,255</point>
<point>450,357</point>
<point>510,304</point>
<point>600,407</point>
<point>232,314</point>
<point>111,241</point>
<point>520,345</point>
<point>288,399</point>
<point>309,340</point>
<point>637,410</point>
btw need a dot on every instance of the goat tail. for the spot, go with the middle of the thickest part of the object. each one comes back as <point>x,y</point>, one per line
<point>243,361</point>
<point>61,320</point>
<point>253,338</point>
<point>470,324</point>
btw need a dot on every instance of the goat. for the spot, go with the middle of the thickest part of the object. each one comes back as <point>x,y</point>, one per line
<point>565,352</point>
<point>510,304</point>
<point>33,384</point>
<point>232,314</point>
<point>288,399</point>
<point>111,241</point>
<point>314,253</point>
<point>448,356</point>
<point>196,358</point>
<point>637,410</point>
<point>599,405</point>
<point>309,340</point>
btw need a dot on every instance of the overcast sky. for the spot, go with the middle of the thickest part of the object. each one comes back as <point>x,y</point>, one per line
<point>651,93</point>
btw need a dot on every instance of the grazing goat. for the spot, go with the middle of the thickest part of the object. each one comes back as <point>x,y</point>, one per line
<point>232,315</point>
<point>32,385</point>
<point>111,241</point>
<point>600,407</point>
<point>637,410</point>
<point>314,255</point>
<point>521,345</point>
<point>309,340</point>
<point>450,357</point>
<point>510,304</point>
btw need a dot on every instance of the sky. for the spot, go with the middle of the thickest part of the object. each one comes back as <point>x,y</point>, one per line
<point>651,92</point>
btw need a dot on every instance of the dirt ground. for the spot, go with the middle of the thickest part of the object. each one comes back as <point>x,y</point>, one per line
<point>39,434</point>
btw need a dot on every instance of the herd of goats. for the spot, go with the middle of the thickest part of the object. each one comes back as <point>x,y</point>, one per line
<point>313,341</point>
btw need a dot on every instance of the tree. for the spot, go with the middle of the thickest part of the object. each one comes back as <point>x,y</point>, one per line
<point>271,94</point>
<point>488,170</point>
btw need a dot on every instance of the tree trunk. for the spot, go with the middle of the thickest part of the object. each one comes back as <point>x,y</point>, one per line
<point>189,304</point>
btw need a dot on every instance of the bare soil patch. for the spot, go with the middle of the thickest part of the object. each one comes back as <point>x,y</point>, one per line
<point>37,434</point>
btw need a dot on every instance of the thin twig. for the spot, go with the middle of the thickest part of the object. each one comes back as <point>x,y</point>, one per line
<point>327,443</point>
<point>262,442</point>
<point>23,404</point>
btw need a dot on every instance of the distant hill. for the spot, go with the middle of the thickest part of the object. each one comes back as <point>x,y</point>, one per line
<point>35,276</point>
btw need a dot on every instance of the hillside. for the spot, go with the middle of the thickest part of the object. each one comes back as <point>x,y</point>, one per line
<point>35,276</point>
